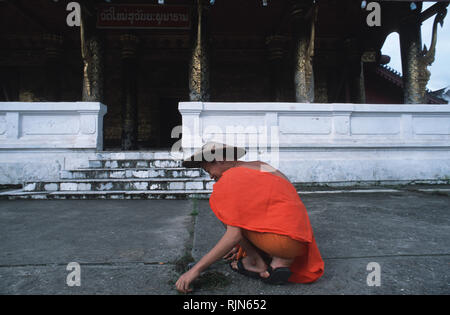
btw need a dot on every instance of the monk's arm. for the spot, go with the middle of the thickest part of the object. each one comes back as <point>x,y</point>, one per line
<point>231,237</point>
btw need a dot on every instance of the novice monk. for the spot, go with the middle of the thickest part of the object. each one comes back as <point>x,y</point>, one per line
<point>263,214</point>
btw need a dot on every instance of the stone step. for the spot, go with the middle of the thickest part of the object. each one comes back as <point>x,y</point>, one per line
<point>138,155</point>
<point>120,184</point>
<point>134,163</point>
<point>115,173</point>
<point>122,175</point>
<point>139,194</point>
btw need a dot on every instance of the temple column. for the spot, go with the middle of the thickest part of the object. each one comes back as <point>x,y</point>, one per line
<point>92,55</point>
<point>275,53</point>
<point>199,75</point>
<point>411,47</point>
<point>53,66</point>
<point>129,92</point>
<point>303,36</point>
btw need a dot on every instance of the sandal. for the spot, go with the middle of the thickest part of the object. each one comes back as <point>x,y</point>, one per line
<point>278,275</point>
<point>241,269</point>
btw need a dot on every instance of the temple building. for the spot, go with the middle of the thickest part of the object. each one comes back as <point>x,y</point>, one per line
<point>103,98</point>
<point>141,58</point>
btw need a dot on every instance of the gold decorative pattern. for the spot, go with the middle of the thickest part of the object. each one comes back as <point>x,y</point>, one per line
<point>426,58</point>
<point>199,68</point>
<point>417,60</point>
<point>92,55</point>
<point>304,53</point>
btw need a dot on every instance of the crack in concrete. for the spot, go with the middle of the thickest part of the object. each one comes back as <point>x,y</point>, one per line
<point>111,264</point>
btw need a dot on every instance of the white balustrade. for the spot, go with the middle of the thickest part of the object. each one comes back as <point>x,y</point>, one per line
<point>64,125</point>
<point>329,142</point>
<point>38,140</point>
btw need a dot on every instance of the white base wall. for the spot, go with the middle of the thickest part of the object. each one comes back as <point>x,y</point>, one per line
<point>332,167</point>
<point>17,167</point>
<point>352,167</point>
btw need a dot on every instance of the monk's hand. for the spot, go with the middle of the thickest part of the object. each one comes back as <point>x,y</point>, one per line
<point>232,254</point>
<point>185,280</point>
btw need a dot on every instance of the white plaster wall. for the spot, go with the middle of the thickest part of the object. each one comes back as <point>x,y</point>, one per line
<point>37,140</point>
<point>329,142</point>
<point>19,166</point>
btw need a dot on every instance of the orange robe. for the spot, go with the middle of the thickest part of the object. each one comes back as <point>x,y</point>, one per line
<point>263,202</point>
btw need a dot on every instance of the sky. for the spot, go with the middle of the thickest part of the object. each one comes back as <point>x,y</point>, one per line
<point>440,69</point>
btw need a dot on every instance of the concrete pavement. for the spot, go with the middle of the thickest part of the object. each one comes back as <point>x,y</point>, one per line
<point>123,247</point>
<point>139,246</point>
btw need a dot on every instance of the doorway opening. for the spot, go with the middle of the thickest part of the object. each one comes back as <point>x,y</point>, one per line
<point>169,118</point>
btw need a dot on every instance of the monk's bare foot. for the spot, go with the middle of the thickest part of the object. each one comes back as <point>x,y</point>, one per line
<point>255,264</point>
<point>281,262</point>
